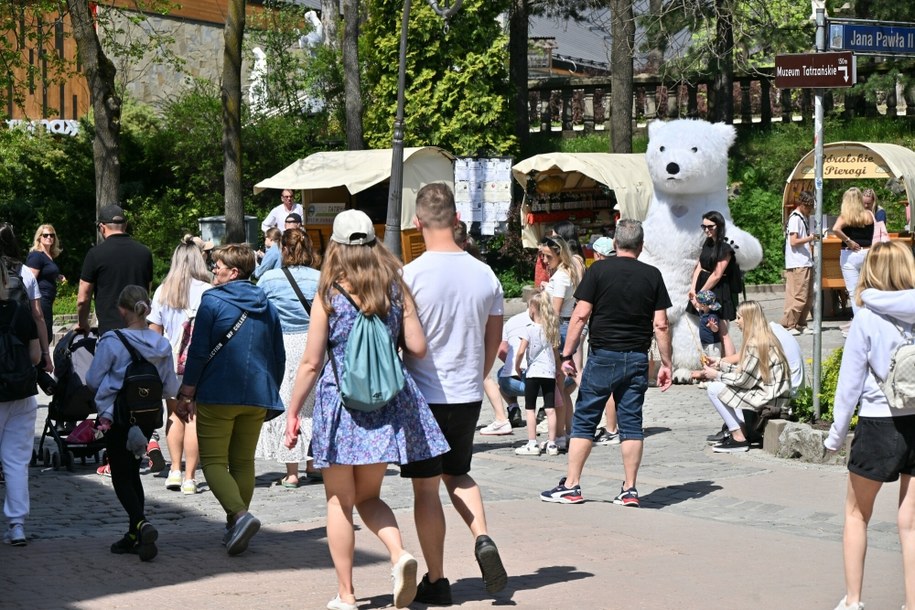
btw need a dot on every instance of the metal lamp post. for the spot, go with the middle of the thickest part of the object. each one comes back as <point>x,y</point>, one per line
<point>395,190</point>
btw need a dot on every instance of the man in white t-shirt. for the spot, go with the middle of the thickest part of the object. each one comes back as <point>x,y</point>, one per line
<point>459,302</point>
<point>509,386</point>
<point>277,216</point>
<point>798,267</point>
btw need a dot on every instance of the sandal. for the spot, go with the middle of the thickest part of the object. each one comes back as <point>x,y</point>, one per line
<point>285,482</point>
<point>103,471</point>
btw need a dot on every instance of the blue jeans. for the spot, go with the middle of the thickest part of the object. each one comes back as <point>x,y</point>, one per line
<point>622,375</point>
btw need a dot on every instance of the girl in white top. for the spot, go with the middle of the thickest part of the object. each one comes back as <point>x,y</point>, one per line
<point>566,275</point>
<point>539,346</point>
<point>175,302</point>
<point>883,449</point>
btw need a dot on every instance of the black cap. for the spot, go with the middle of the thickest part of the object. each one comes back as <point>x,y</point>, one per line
<point>294,217</point>
<point>112,214</point>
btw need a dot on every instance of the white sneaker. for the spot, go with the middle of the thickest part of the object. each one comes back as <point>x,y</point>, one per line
<point>530,448</point>
<point>552,449</point>
<point>497,428</point>
<point>189,487</point>
<point>543,427</point>
<point>15,535</point>
<point>794,332</point>
<point>845,606</point>
<point>404,576</point>
<point>173,482</point>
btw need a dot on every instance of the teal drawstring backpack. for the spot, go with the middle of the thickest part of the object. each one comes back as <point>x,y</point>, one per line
<point>372,370</point>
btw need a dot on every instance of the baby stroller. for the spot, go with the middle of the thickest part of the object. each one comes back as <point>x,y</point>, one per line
<point>71,403</point>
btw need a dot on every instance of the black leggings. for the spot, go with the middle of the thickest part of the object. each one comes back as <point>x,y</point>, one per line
<point>125,475</point>
<point>533,387</point>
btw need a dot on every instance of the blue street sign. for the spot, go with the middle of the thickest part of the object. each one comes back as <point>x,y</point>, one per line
<point>882,39</point>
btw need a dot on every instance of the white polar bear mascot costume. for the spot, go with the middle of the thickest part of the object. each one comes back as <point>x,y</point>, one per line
<point>688,164</point>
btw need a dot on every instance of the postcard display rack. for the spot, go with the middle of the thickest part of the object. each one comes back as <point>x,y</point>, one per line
<point>589,209</point>
<point>483,192</point>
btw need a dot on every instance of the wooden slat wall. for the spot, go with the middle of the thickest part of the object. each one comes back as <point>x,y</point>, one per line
<point>208,11</point>
<point>66,100</point>
<point>70,99</point>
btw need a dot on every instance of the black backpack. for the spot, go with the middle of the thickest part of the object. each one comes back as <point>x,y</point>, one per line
<point>139,401</point>
<point>15,286</point>
<point>17,373</point>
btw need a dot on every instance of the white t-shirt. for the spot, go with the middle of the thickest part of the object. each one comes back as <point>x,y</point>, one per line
<point>797,256</point>
<point>560,285</point>
<point>512,332</point>
<point>794,355</point>
<point>29,283</point>
<point>171,319</point>
<point>455,295</point>
<point>277,216</point>
<point>541,362</point>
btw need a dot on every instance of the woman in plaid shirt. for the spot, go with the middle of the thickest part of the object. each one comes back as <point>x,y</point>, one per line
<point>759,378</point>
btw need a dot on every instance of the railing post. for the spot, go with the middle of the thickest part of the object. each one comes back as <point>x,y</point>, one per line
<point>692,101</point>
<point>765,101</point>
<point>588,110</point>
<point>546,113</point>
<point>787,110</point>
<point>746,111</point>
<point>567,108</point>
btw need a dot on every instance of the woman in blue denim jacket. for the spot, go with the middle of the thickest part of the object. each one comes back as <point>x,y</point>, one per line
<point>233,395</point>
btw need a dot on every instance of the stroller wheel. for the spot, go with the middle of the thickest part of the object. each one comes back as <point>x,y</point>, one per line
<point>34,460</point>
<point>96,456</point>
<point>68,460</point>
<point>55,461</point>
<point>47,457</point>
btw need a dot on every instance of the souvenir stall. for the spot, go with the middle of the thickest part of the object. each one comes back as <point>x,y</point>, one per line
<point>861,162</point>
<point>592,190</point>
<point>332,181</point>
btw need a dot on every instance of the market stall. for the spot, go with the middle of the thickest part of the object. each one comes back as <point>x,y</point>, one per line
<point>589,189</point>
<point>329,182</point>
<point>860,161</point>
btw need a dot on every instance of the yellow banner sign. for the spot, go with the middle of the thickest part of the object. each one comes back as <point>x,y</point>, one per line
<point>852,163</point>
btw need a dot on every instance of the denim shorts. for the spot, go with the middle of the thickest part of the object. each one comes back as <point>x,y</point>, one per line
<point>512,386</point>
<point>458,423</point>
<point>883,448</point>
<point>622,375</point>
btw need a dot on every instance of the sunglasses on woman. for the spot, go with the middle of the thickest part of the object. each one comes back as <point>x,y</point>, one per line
<point>49,235</point>
<point>706,227</point>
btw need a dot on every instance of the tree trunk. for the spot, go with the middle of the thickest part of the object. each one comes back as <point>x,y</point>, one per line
<point>517,67</point>
<point>723,107</point>
<point>106,105</point>
<point>231,121</point>
<point>330,14</point>
<point>622,31</point>
<point>351,78</point>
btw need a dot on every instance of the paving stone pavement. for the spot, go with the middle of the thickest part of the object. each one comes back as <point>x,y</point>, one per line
<point>747,531</point>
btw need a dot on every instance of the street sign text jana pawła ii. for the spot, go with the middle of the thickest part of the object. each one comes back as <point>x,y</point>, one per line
<point>815,70</point>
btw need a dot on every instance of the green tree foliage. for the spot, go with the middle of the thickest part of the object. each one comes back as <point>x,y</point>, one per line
<point>457,94</point>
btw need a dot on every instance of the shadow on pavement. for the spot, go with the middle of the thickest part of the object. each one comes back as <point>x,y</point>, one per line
<point>674,494</point>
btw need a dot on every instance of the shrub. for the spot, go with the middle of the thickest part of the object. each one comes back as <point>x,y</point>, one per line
<point>802,404</point>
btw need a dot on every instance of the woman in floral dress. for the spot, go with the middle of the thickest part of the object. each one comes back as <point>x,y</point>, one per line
<point>353,447</point>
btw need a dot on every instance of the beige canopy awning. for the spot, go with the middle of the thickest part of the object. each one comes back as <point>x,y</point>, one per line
<point>625,174</point>
<point>358,170</point>
<point>857,161</point>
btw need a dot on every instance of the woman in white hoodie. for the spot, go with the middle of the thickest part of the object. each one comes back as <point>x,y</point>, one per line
<point>883,448</point>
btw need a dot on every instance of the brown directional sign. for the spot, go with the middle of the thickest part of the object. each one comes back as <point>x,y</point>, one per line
<point>815,70</point>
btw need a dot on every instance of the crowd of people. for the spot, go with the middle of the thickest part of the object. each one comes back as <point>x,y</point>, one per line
<point>234,356</point>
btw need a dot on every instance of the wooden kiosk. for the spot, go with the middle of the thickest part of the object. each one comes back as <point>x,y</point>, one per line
<point>333,181</point>
<point>585,188</point>
<point>850,161</point>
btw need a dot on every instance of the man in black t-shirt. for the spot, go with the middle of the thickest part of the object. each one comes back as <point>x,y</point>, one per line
<point>626,301</point>
<point>117,262</point>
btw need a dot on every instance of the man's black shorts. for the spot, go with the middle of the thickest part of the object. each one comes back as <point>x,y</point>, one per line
<point>459,424</point>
